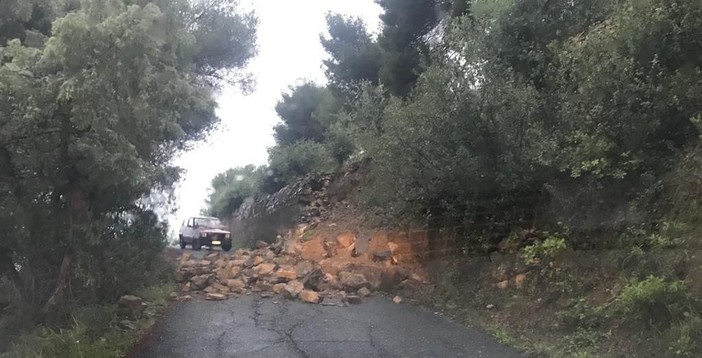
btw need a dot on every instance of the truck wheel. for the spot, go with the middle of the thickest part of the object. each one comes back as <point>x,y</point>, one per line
<point>196,244</point>
<point>182,242</point>
<point>226,246</point>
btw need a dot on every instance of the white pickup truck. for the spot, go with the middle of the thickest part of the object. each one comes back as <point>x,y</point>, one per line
<point>204,231</point>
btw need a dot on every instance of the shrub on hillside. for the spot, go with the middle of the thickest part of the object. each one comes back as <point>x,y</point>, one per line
<point>656,302</point>
<point>299,159</point>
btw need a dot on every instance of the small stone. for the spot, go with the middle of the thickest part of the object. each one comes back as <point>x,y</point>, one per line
<point>173,296</point>
<point>354,300</point>
<point>519,280</point>
<point>393,247</point>
<point>215,297</point>
<point>205,263</point>
<point>261,244</point>
<point>309,296</point>
<point>364,292</point>
<point>253,261</point>
<point>264,269</point>
<point>278,288</point>
<point>502,284</point>
<point>490,306</point>
<point>397,299</point>
<point>236,284</point>
<point>292,289</point>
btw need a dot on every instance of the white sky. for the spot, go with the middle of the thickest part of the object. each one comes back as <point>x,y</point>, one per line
<point>289,52</point>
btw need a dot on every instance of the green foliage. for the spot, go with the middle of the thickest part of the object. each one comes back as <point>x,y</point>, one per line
<point>306,112</point>
<point>544,252</point>
<point>93,109</point>
<point>405,23</point>
<point>579,315</point>
<point>299,159</point>
<point>354,56</point>
<point>94,331</point>
<point>656,302</point>
<point>229,189</point>
<point>683,339</point>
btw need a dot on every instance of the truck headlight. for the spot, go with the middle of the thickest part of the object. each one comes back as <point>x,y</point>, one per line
<point>226,236</point>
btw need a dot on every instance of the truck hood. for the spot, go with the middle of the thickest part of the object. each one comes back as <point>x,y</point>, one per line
<point>214,231</point>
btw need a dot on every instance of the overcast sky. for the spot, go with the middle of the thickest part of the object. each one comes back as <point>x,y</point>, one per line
<point>289,52</point>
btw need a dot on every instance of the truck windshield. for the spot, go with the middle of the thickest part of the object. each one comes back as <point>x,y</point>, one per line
<point>208,222</point>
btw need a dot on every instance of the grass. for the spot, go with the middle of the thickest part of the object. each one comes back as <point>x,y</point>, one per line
<point>95,331</point>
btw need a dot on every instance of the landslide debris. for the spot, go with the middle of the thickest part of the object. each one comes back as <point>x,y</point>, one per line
<point>296,267</point>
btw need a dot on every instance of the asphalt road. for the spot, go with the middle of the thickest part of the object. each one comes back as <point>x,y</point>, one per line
<point>251,326</point>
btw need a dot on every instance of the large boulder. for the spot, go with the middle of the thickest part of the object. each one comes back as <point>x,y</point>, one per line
<point>200,282</point>
<point>303,268</point>
<point>314,280</point>
<point>352,280</point>
<point>285,274</point>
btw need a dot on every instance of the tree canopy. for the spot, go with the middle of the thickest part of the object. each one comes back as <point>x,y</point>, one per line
<point>96,98</point>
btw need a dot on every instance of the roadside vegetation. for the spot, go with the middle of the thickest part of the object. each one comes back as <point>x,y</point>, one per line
<point>551,145</point>
<point>96,98</point>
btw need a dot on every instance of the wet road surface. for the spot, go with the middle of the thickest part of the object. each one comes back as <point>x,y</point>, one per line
<point>252,326</point>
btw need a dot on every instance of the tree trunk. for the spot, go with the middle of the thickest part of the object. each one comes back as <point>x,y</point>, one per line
<point>57,294</point>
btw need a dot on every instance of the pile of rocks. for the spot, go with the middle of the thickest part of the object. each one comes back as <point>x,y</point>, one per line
<point>279,269</point>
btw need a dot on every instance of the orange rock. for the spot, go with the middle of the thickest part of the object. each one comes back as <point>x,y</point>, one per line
<point>235,283</point>
<point>278,288</point>
<point>256,260</point>
<point>313,249</point>
<point>309,296</point>
<point>502,284</point>
<point>397,299</point>
<point>211,296</point>
<point>292,289</point>
<point>345,240</point>
<point>519,280</point>
<point>393,247</point>
<point>286,274</point>
<point>265,269</point>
